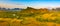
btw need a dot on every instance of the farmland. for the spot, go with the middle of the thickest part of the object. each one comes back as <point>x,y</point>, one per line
<point>30,17</point>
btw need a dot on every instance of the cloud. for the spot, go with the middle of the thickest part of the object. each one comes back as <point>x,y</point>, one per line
<point>12,6</point>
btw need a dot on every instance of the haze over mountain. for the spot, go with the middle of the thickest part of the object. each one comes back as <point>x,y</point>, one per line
<point>22,6</point>
<point>30,3</point>
<point>11,6</point>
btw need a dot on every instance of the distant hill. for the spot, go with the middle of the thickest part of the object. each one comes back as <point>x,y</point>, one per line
<point>11,9</point>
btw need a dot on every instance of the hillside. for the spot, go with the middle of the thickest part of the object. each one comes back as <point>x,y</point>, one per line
<point>30,17</point>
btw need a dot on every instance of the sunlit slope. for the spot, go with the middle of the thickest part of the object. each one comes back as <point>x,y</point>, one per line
<point>30,17</point>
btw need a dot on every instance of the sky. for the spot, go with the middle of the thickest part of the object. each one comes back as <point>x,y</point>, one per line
<point>29,3</point>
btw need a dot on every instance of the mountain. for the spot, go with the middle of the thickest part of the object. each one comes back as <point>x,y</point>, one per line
<point>11,9</point>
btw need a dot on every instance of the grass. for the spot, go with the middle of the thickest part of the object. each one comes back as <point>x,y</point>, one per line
<point>30,19</point>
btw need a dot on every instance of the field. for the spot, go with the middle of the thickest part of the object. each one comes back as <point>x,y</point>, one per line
<point>30,17</point>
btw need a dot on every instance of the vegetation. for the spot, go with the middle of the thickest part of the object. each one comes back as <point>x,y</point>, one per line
<point>30,17</point>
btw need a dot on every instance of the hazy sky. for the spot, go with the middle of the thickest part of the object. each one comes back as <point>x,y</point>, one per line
<point>31,3</point>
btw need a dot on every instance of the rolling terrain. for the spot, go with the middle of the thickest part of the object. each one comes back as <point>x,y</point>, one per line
<point>30,17</point>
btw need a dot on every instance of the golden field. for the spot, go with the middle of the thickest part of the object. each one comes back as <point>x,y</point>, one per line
<point>30,17</point>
